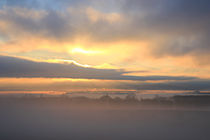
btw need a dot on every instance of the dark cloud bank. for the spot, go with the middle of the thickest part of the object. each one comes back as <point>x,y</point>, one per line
<point>16,67</point>
<point>13,67</point>
<point>174,85</point>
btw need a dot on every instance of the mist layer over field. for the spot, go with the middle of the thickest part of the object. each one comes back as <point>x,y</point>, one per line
<point>38,120</point>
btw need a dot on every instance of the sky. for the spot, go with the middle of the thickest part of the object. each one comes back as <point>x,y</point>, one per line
<point>104,44</point>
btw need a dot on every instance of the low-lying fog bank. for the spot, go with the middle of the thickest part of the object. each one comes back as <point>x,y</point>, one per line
<point>61,118</point>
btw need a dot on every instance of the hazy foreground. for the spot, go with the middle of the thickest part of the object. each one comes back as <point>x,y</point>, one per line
<point>80,118</point>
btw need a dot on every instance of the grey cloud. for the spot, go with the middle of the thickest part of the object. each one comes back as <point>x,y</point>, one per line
<point>48,24</point>
<point>177,85</point>
<point>169,14</point>
<point>145,18</point>
<point>15,67</point>
<point>183,23</point>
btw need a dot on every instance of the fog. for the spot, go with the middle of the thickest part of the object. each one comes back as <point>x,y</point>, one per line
<point>38,120</point>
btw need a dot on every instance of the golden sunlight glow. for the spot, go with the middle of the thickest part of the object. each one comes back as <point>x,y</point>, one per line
<point>83,51</point>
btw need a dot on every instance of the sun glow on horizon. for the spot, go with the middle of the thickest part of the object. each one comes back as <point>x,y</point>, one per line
<point>83,51</point>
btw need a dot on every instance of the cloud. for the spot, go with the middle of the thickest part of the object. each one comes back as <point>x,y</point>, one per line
<point>142,18</point>
<point>130,32</point>
<point>20,68</point>
<point>49,24</point>
<point>171,28</point>
<point>177,28</point>
<point>200,84</point>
